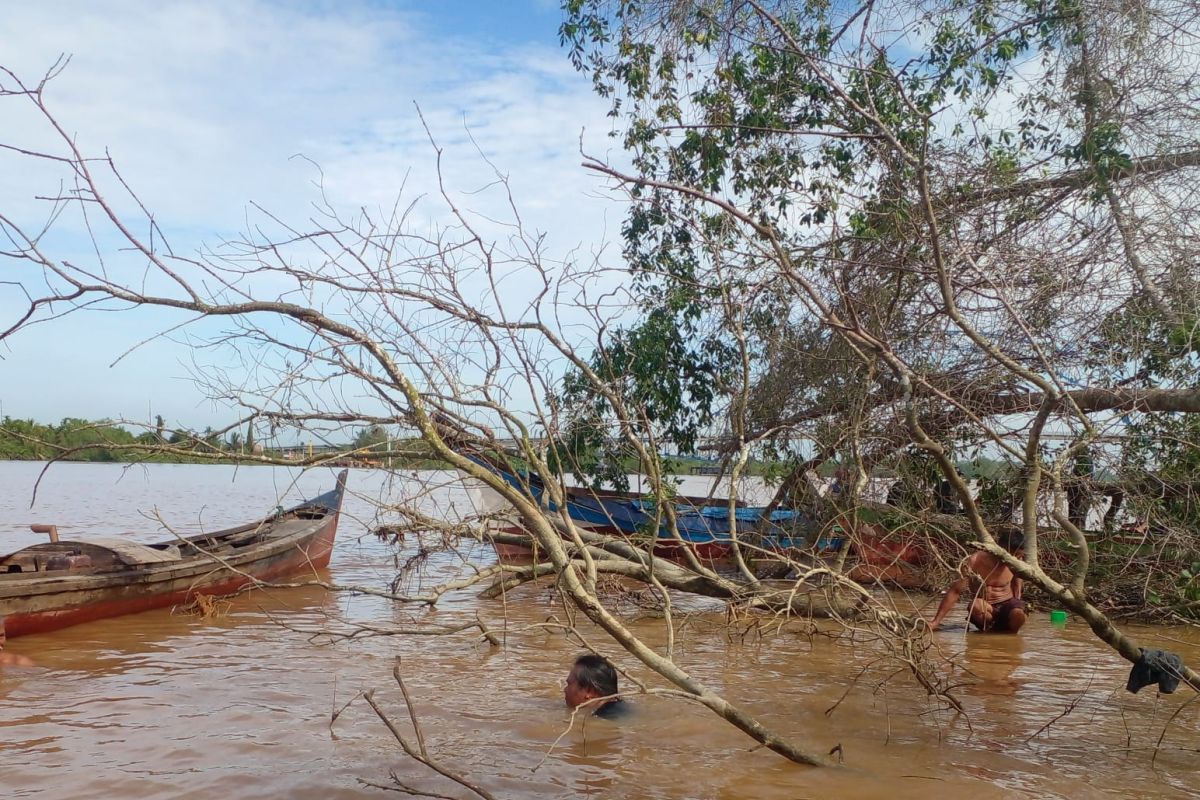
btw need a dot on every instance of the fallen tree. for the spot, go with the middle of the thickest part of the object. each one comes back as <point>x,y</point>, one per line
<point>983,246</point>
<point>370,309</point>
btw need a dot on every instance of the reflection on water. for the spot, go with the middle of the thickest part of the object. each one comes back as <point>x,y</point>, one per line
<point>992,659</point>
<point>171,705</point>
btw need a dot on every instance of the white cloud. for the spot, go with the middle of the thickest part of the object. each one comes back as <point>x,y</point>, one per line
<point>203,105</point>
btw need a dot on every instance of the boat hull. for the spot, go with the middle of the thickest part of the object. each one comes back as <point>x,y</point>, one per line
<point>711,551</point>
<point>295,542</point>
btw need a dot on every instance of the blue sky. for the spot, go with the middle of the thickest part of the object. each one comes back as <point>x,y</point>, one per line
<point>205,103</point>
<point>503,23</point>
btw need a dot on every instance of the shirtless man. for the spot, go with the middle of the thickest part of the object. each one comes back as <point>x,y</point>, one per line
<point>996,603</point>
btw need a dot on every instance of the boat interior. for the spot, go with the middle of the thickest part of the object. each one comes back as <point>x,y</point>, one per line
<point>103,553</point>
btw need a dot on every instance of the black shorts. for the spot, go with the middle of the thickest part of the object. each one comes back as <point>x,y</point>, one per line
<point>1002,611</point>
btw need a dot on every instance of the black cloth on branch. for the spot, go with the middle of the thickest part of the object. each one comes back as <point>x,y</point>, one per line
<point>1156,666</point>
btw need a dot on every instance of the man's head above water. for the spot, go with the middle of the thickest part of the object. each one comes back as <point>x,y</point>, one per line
<point>591,676</point>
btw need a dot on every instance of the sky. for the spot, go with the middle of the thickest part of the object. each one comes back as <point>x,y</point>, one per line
<point>205,106</point>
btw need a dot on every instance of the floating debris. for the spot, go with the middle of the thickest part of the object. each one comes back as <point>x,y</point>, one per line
<point>390,532</point>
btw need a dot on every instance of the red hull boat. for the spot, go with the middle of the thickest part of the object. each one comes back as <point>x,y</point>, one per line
<point>57,584</point>
<point>671,550</point>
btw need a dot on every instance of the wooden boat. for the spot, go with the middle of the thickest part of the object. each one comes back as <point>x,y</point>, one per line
<point>704,528</point>
<point>880,555</point>
<point>56,584</point>
<point>889,557</point>
<point>877,546</point>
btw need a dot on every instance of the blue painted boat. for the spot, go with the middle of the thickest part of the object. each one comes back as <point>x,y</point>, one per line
<point>707,529</point>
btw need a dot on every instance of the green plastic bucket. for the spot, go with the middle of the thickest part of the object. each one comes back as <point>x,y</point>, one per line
<point>1058,617</point>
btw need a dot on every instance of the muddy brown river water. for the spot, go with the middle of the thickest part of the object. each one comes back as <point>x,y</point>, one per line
<point>171,705</point>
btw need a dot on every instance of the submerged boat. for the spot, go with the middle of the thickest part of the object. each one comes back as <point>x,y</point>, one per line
<point>59,583</point>
<point>878,555</point>
<point>702,527</point>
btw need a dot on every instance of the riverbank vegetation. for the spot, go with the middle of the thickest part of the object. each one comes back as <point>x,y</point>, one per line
<point>75,439</point>
<point>857,239</point>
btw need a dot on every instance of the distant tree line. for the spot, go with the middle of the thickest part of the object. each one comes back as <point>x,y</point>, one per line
<point>75,439</point>
<point>26,440</point>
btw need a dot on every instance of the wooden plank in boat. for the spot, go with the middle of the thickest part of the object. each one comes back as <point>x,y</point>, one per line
<point>133,552</point>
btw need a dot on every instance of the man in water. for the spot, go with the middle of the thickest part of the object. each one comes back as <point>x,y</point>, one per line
<point>592,677</point>
<point>996,603</point>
